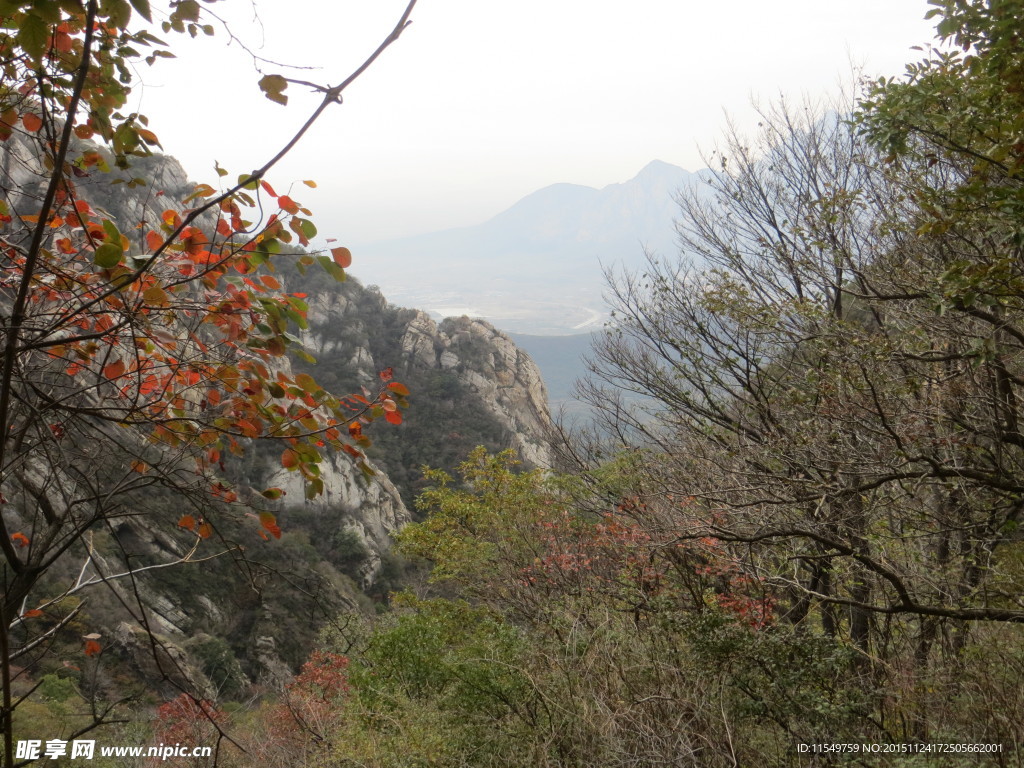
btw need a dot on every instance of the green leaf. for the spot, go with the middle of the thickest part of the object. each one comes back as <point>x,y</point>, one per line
<point>119,13</point>
<point>187,10</point>
<point>107,255</point>
<point>314,488</point>
<point>331,268</point>
<point>142,6</point>
<point>33,36</point>
<point>273,86</point>
<point>47,10</point>
<point>113,233</point>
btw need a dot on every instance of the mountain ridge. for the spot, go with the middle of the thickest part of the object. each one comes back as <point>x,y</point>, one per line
<point>536,267</point>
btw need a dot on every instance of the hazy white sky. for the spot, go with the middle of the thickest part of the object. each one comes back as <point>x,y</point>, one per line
<point>482,102</point>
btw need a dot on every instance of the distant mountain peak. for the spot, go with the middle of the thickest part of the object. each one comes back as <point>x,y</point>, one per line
<point>660,166</point>
<point>537,266</point>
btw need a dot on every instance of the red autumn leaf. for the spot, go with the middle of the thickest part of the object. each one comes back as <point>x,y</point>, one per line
<point>62,41</point>
<point>247,428</point>
<point>223,228</point>
<point>20,539</point>
<point>31,121</point>
<point>31,613</point>
<point>187,521</point>
<point>171,218</point>
<point>194,239</point>
<point>393,417</point>
<point>269,522</point>
<point>355,454</point>
<point>387,374</point>
<point>290,458</point>
<point>205,530</point>
<point>398,389</point>
<point>114,370</point>
<point>355,430</point>
<point>139,466</point>
<point>269,189</point>
<point>287,204</point>
<point>154,240</point>
<point>342,257</point>
<point>92,648</point>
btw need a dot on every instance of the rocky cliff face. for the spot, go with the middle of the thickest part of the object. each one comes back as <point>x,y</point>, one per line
<point>493,369</point>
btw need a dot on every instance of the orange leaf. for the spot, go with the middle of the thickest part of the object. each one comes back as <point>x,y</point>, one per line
<point>32,613</point>
<point>269,189</point>
<point>205,530</point>
<point>187,521</point>
<point>171,218</point>
<point>114,370</point>
<point>20,539</point>
<point>289,459</point>
<point>154,240</point>
<point>287,204</point>
<point>268,521</point>
<point>31,121</point>
<point>342,257</point>
<point>398,389</point>
<point>393,417</point>
<point>139,466</point>
<point>62,41</point>
<point>247,428</point>
<point>92,648</point>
